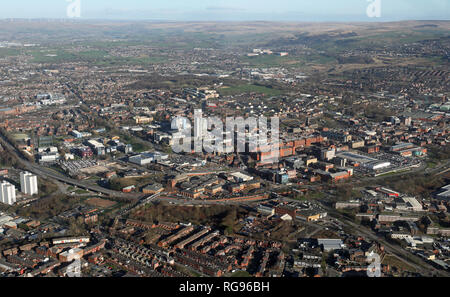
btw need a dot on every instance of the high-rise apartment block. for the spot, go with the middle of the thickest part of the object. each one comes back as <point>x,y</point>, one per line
<point>7,193</point>
<point>28,183</point>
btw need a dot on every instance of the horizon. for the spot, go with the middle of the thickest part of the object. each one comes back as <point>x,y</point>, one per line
<point>85,20</point>
<point>230,10</point>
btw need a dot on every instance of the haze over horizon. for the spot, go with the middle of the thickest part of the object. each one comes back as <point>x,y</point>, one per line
<point>231,10</point>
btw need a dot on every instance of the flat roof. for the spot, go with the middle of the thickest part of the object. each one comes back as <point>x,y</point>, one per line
<point>413,201</point>
<point>242,176</point>
<point>353,156</point>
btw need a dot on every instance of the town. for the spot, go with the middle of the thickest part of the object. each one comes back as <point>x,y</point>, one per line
<point>91,183</point>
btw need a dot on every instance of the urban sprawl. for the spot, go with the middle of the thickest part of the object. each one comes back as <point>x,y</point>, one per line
<point>357,183</point>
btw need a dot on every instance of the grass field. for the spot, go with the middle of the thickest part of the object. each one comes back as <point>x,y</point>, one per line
<point>8,52</point>
<point>98,202</point>
<point>242,89</point>
<point>52,56</point>
<point>395,262</point>
<point>94,57</point>
<point>268,61</point>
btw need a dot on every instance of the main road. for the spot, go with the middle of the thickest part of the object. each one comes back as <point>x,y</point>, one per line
<point>50,174</point>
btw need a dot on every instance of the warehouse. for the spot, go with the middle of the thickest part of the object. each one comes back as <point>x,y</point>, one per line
<point>240,177</point>
<point>444,194</point>
<point>330,244</point>
<point>142,159</point>
<point>377,165</point>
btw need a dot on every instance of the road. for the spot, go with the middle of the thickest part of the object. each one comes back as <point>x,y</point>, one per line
<point>50,174</point>
<point>424,268</point>
<point>140,203</point>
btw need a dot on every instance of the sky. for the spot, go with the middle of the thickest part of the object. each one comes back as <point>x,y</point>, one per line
<point>230,10</point>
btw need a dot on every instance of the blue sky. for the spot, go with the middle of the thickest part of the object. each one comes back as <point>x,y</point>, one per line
<point>230,10</point>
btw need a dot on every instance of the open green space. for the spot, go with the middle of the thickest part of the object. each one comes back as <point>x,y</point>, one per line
<point>249,88</point>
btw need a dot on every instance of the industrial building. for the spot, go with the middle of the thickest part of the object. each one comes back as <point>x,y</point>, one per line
<point>364,161</point>
<point>147,158</point>
<point>330,244</point>
<point>28,183</point>
<point>98,147</point>
<point>412,204</point>
<point>444,194</point>
<point>240,177</point>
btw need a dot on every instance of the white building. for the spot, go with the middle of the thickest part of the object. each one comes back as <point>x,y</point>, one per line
<point>412,204</point>
<point>44,158</point>
<point>142,159</point>
<point>240,177</point>
<point>28,183</point>
<point>200,124</point>
<point>378,165</point>
<point>7,193</point>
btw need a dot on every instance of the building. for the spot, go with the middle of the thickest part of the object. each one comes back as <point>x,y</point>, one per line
<point>350,204</point>
<point>147,158</point>
<point>200,124</point>
<point>327,154</point>
<point>7,193</point>
<point>282,210</point>
<point>444,193</point>
<point>282,177</point>
<point>153,189</point>
<point>48,158</point>
<point>330,244</point>
<point>84,152</point>
<point>310,215</point>
<point>142,159</point>
<point>365,161</point>
<point>65,240</point>
<point>98,147</point>
<point>70,255</point>
<point>77,134</point>
<point>28,183</point>
<point>372,149</point>
<point>401,146</point>
<point>143,120</point>
<point>412,204</point>
<point>266,210</point>
<point>240,177</point>
<point>388,192</point>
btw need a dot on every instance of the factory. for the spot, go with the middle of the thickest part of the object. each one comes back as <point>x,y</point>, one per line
<point>147,158</point>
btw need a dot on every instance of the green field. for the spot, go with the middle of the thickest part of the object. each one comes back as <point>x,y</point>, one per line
<point>94,57</point>
<point>395,262</point>
<point>8,52</point>
<point>268,60</point>
<point>242,89</point>
<point>52,56</point>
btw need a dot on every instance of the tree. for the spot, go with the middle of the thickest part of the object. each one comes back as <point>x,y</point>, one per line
<point>228,222</point>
